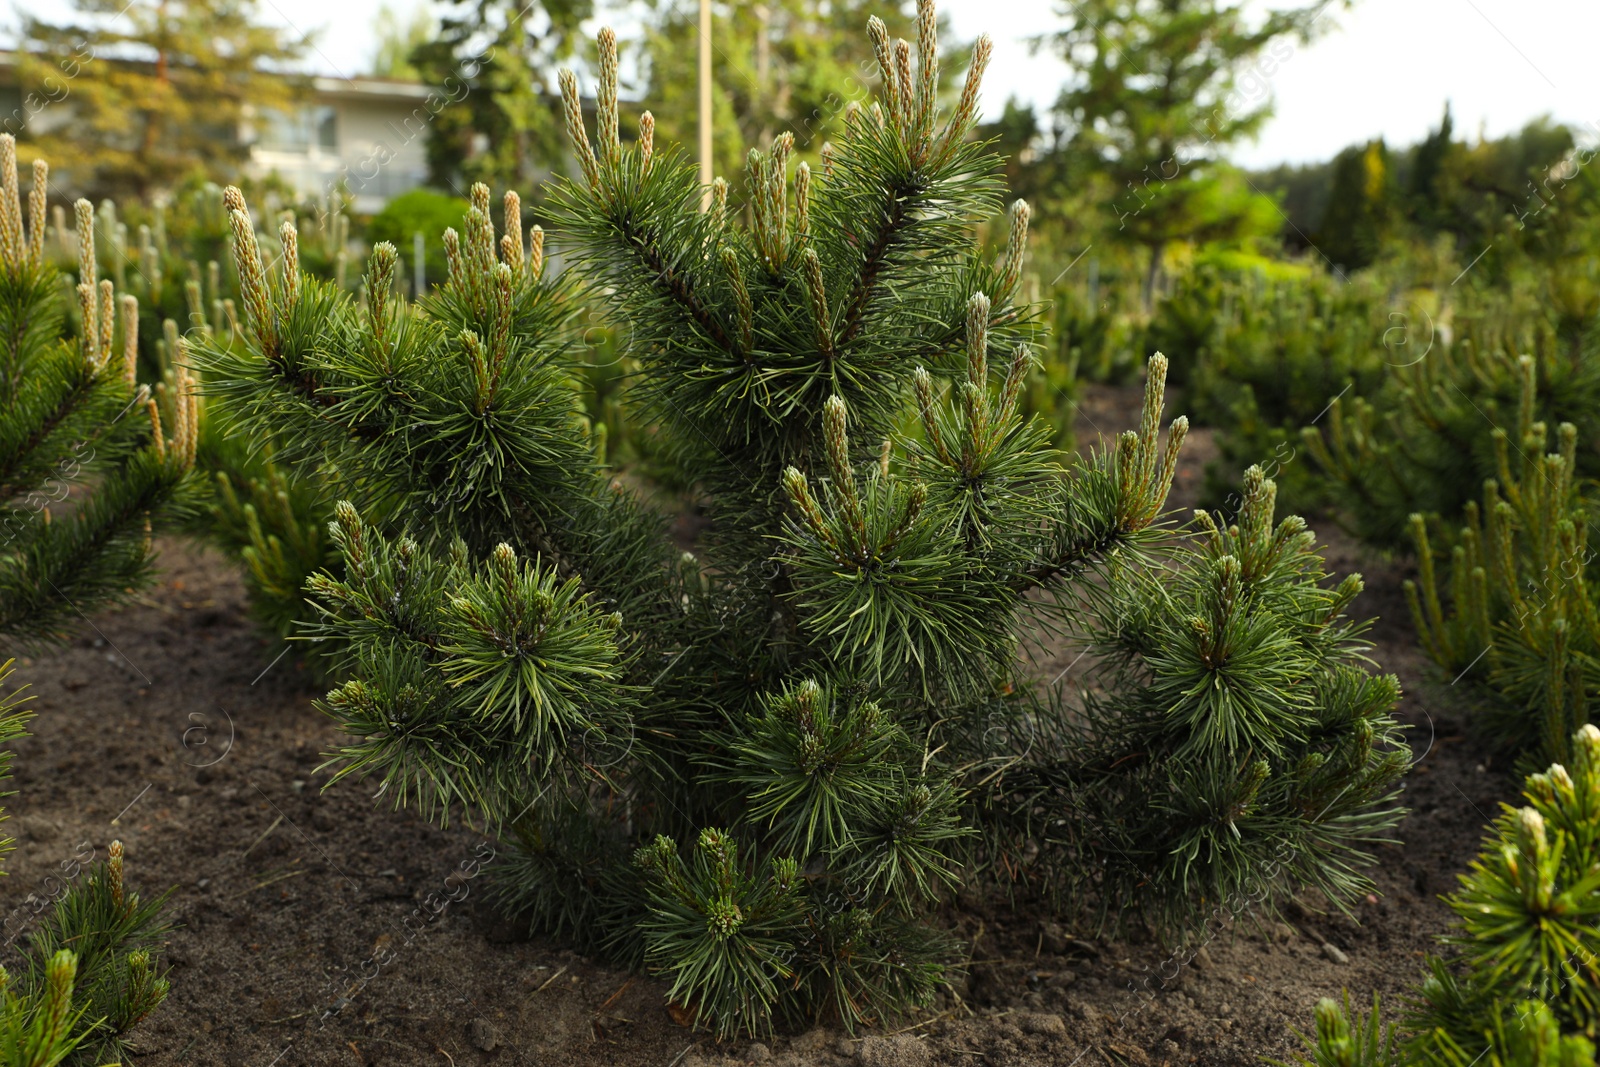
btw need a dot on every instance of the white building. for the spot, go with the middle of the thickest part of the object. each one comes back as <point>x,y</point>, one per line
<point>368,133</point>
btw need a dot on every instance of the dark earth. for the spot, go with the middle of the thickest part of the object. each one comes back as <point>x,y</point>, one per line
<point>322,927</point>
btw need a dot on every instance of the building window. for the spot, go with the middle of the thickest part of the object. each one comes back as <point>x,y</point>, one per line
<point>326,120</point>
<point>301,130</point>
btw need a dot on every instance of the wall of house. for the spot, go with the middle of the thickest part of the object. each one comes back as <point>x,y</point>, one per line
<point>383,146</point>
<point>380,153</point>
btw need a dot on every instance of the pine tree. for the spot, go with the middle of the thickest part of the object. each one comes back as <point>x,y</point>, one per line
<point>93,967</point>
<point>1526,988</point>
<point>1423,440</point>
<point>70,414</point>
<point>1161,87</point>
<point>71,410</point>
<point>1360,207</point>
<point>1429,166</point>
<point>1522,618</point>
<point>754,769</point>
<point>94,974</point>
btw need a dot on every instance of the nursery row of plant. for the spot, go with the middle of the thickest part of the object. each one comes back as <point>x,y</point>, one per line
<point>758,770</point>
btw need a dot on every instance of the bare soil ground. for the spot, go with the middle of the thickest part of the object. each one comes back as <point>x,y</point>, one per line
<point>323,927</point>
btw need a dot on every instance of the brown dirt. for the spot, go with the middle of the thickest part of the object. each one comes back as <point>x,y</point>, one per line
<point>325,928</point>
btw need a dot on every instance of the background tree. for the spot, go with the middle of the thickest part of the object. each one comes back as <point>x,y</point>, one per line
<point>1429,164</point>
<point>1360,209</point>
<point>781,65</point>
<point>502,125</point>
<point>1159,91</point>
<point>161,90</point>
<point>399,37</point>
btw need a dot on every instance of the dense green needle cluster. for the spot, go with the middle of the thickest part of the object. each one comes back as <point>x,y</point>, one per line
<point>1236,743</point>
<point>100,947</point>
<point>1424,441</point>
<point>1521,617</point>
<point>1527,988</point>
<point>71,412</point>
<point>758,767</point>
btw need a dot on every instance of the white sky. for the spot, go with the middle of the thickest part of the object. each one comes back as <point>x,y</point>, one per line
<point>1386,69</point>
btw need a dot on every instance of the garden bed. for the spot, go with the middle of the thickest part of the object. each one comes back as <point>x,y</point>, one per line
<point>322,927</point>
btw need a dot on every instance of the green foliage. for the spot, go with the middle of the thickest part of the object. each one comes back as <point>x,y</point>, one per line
<point>140,126</point>
<point>398,39</point>
<point>78,1004</point>
<point>173,255</point>
<point>276,527</point>
<point>39,1031</point>
<point>424,211</point>
<point>1094,336</point>
<point>113,938</point>
<point>1360,207</point>
<point>1523,621</point>
<point>491,61</point>
<point>1506,197</point>
<point>811,699</point>
<point>1345,1037</point>
<point>1234,742</point>
<point>789,65</point>
<point>13,722</point>
<point>502,660</point>
<point>719,930</point>
<point>1514,612</point>
<point>1156,97</point>
<point>1525,986</point>
<point>70,414</point>
<point>1424,441</point>
<point>241,500</point>
<point>1258,358</point>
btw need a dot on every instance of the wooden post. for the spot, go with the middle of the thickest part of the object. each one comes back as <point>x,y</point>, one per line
<point>705,105</point>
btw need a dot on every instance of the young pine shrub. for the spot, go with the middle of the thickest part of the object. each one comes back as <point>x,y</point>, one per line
<point>74,421</point>
<point>1259,357</point>
<point>1524,988</point>
<point>1234,744</point>
<point>274,526</point>
<point>93,970</point>
<point>73,415</point>
<point>178,265</point>
<point>1520,620</point>
<point>1418,443</point>
<point>755,769</point>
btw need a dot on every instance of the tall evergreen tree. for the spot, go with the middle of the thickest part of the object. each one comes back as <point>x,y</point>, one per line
<point>1360,207</point>
<point>158,91</point>
<point>398,38</point>
<point>1428,167</point>
<point>1161,88</point>
<point>755,768</point>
